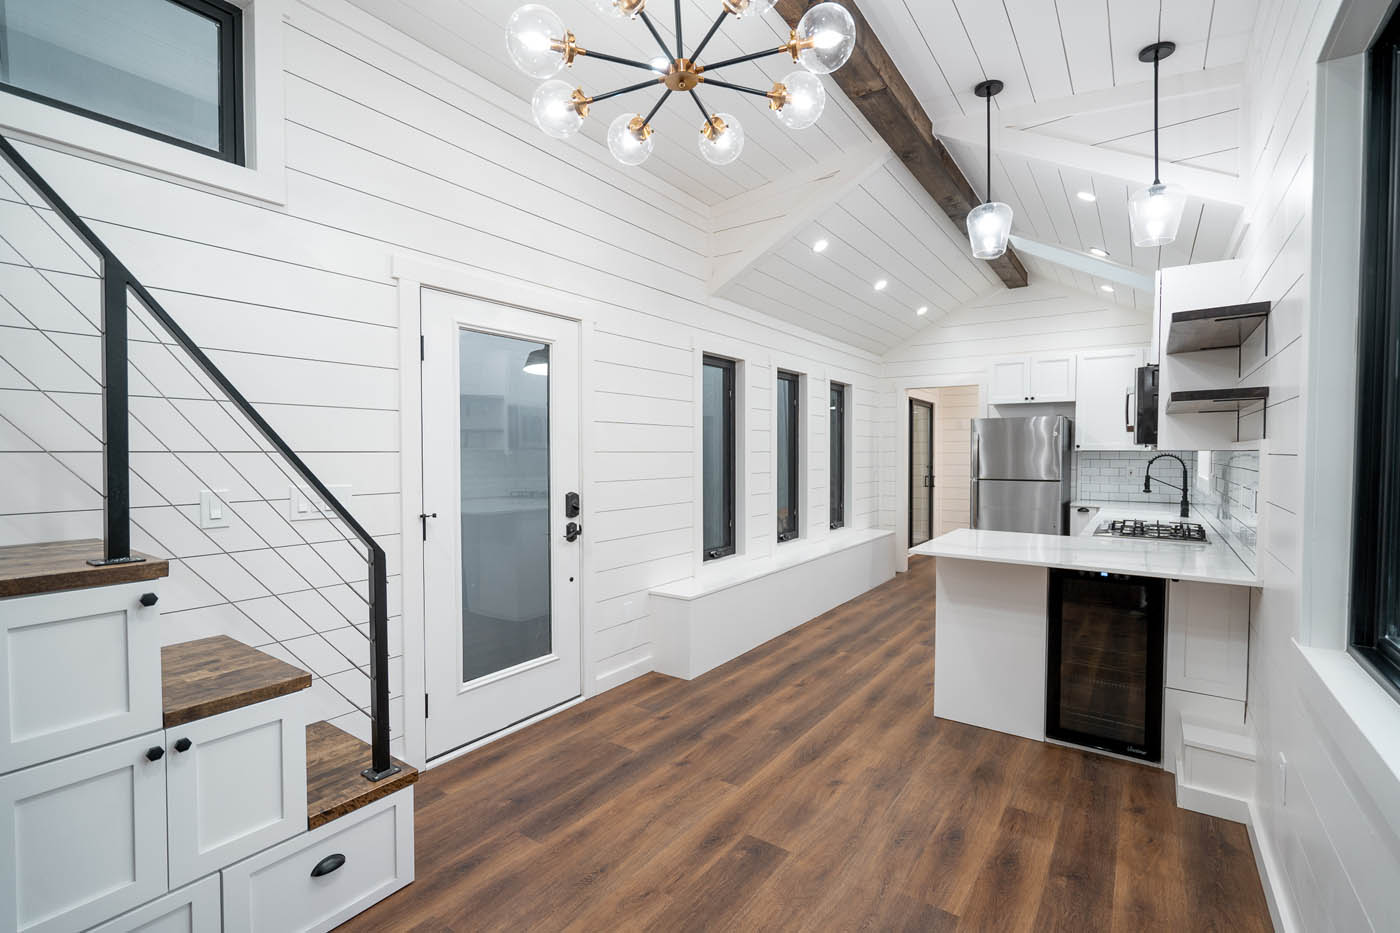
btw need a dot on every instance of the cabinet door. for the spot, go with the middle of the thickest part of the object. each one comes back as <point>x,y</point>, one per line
<point>239,787</point>
<point>195,908</point>
<point>1103,398</point>
<point>82,839</point>
<point>1208,639</point>
<point>78,669</point>
<point>1008,381</point>
<point>1052,377</point>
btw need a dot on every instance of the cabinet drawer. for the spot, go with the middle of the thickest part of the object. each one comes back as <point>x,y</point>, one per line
<point>194,908</point>
<point>238,787</point>
<point>82,838</point>
<point>275,891</point>
<point>78,669</point>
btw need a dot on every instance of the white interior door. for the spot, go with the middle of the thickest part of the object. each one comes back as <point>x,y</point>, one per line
<point>500,484</point>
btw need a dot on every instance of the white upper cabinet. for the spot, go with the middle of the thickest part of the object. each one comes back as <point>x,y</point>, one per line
<point>1035,377</point>
<point>1104,406</point>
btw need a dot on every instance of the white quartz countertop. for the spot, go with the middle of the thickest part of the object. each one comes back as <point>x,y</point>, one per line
<point>1212,562</point>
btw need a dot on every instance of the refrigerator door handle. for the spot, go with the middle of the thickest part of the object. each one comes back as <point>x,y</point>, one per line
<point>976,469</point>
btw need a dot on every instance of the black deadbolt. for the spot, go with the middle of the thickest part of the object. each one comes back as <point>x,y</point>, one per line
<point>571,505</point>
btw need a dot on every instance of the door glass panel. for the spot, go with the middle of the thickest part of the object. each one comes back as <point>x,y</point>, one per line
<point>504,410</point>
<point>920,474</point>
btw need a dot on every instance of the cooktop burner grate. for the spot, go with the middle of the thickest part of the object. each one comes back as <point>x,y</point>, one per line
<point>1137,528</point>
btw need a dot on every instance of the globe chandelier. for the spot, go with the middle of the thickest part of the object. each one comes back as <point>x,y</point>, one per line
<point>541,46</point>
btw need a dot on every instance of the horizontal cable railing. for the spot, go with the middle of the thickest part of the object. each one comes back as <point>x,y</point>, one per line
<point>306,560</point>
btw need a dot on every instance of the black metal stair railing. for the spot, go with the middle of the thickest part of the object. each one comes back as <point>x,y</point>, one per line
<point>117,284</point>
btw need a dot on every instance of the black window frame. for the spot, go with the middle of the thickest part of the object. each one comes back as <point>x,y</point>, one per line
<point>793,530</point>
<point>1375,563</point>
<point>231,129</point>
<point>727,367</point>
<point>836,480</point>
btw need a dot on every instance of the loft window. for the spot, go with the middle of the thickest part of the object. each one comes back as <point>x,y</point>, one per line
<point>717,444</point>
<point>837,475</point>
<point>1375,583</point>
<point>789,418</point>
<point>168,69</point>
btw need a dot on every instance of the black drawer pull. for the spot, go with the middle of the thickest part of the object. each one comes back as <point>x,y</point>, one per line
<point>148,599</point>
<point>183,745</point>
<point>327,865</point>
<point>155,753</point>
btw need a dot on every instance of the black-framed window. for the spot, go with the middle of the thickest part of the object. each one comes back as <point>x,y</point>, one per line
<point>717,446</point>
<point>836,476</point>
<point>788,416</point>
<point>169,69</point>
<point>1375,582</point>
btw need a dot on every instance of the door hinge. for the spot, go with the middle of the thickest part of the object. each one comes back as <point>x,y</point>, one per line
<point>425,706</point>
<point>422,347</point>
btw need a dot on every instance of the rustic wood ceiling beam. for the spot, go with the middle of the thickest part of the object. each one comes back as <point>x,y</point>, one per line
<point>873,83</point>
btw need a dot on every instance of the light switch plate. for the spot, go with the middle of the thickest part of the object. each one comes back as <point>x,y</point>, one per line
<point>304,505</point>
<point>213,510</point>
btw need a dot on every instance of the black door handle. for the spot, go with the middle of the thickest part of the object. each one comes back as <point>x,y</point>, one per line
<point>182,745</point>
<point>155,753</point>
<point>573,531</point>
<point>327,865</point>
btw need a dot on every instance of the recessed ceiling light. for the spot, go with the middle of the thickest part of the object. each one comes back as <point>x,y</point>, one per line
<point>1098,251</point>
<point>1088,196</point>
<point>1105,288</point>
<point>820,246</point>
<point>880,285</point>
<point>923,309</point>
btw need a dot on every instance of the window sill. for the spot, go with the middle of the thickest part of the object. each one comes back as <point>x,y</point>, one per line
<point>1360,719</point>
<point>723,573</point>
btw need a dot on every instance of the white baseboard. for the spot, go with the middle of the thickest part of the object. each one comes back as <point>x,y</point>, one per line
<point>1271,873</point>
<point>620,675</point>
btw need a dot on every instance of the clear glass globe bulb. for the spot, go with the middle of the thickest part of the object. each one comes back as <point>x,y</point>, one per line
<point>1155,214</point>
<point>629,145</point>
<point>727,144</point>
<point>989,228</point>
<point>743,8</point>
<point>806,97</point>
<point>530,36</point>
<point>826,36</point>
<point>555,110</point>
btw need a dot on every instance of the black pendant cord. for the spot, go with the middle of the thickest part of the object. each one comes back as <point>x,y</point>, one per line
<point>1156,123</point>
<point>714,28</point>
<point>989,149</point>
<point>734,87</point>
<point>629,62</point>
<point>622,90</point>
<point>652,113</point>
<point>708,118</point>
<point>680,46</point>
<point>665,49</point>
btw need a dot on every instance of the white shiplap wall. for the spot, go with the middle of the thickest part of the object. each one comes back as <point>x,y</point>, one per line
<point>394,150</point>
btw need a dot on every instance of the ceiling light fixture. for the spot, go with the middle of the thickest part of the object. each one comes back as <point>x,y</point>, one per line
<point>1087,196</point>
<point>881,285</point>
<point>1155,211</point>
<point>537,363</point>
<point>923,309</point>
<point>541,46</point>
<point>989,223</point>
<point>820,246</point>
<point>1098,251</point>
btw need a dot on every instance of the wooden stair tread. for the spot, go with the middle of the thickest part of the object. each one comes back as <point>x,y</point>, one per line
<point>214,675</point>
<point>27,569</point>
<point>334,785</point>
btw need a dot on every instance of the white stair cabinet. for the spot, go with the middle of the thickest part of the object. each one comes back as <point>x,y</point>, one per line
<point>1104,406</point>
<point>194,908</point>
<point>1035,377</point>
<point>1208,639</point>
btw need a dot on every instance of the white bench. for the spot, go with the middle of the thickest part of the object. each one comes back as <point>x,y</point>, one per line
<point>702,622</point>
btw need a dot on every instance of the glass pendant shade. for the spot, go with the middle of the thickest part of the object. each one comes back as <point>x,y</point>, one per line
<point>629,140</point>
<point>806,98</point>
<point>1155,214</point>
<point>724,146</point>
<point>989,228</point>
<point>826,36</point>
<point>537,363</point>
<point>531,34</point>
<point>555,109</point>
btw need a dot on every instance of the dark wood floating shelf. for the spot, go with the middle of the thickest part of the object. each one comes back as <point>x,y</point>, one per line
<point>27,569</point>
<point>334,785</point>
<point>214,675</point>
<point>1215,400</point>
<point>1220,328</point>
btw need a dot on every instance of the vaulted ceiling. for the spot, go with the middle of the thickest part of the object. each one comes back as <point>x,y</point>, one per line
<point>1076,116</point>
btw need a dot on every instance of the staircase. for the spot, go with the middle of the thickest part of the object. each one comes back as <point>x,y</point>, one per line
<point>151,782</point>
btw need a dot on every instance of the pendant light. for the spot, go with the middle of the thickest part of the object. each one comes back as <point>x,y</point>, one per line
<point>537,363</point>
<point>989,223</point>
<point>1155,211</point>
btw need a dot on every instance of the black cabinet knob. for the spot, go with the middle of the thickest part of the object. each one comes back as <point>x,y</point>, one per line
<point>155,753</point>
<point>327,865</point>
<point>148,599</point>
<point>182,745</point>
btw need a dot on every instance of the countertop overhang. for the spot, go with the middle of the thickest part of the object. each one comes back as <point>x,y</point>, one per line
<point>1213,562</point>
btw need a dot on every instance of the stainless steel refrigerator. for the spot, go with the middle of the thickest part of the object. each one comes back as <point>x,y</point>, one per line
<point>1021,474</point>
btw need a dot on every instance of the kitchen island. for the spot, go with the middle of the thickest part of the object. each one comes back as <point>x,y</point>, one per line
<point>991,634</point>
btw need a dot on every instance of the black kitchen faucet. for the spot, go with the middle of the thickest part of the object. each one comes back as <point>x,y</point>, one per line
<point>1185,481</point>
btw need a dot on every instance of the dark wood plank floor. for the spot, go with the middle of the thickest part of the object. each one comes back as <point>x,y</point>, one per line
<point>808,786</point>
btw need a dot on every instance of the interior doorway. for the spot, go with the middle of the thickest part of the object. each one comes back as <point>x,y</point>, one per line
<point>921,475</point>
<point>940,431</point>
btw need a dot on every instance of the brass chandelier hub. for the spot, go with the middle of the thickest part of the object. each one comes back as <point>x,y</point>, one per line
<point>683,75</point>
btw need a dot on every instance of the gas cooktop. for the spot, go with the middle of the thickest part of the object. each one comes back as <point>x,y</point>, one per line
<point>1188,532</point>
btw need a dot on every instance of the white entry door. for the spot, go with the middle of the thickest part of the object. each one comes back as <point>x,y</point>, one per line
<point>500,495</point>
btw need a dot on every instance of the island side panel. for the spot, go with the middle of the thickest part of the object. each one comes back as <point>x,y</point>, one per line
<point>989,646</point>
